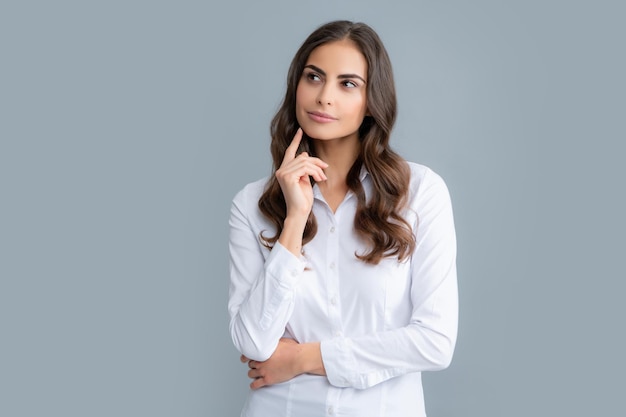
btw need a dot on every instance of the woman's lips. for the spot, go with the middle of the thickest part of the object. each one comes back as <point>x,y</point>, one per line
<point>321,117</point>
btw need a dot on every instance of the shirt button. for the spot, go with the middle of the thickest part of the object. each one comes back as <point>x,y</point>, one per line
<point>333,301</point>
<point>332,229</point>
<point>294,273</point>
<point>337,333</point>
<point>332,265</point>
<point>331,411</point>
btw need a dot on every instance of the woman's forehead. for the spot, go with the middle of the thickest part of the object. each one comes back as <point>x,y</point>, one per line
<point>339,57</point>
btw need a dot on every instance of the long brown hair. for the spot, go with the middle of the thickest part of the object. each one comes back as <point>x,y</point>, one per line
<point>378,221</point>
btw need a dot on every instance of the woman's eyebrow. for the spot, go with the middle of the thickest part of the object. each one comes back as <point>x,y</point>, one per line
<point>342,76</point>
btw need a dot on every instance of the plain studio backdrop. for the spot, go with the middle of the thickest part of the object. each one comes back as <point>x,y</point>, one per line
<point>127,127</point>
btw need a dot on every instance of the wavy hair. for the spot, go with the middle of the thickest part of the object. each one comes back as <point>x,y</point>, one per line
<point>378,221</point>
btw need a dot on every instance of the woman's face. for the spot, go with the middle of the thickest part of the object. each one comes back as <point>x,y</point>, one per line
<point>331,99</point>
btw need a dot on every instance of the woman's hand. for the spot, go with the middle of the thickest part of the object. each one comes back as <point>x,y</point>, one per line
<point>280,367</point>
<point>293,177</point>
<point>289,360</point>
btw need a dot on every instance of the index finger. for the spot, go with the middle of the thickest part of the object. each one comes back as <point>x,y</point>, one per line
<point>291,150</point>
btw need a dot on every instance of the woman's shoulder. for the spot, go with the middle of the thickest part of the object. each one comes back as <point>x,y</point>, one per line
<point>425,181</point>
<point>422,174</point>
<point>251,192</point>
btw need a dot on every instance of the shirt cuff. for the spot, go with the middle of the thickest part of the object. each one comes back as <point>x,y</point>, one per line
<point>284,266</point>
<point>283,270</point>
<point>338,361</point>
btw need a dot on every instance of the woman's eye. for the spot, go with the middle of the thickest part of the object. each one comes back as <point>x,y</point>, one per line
<point>349,84</point>
<point>313,77</point>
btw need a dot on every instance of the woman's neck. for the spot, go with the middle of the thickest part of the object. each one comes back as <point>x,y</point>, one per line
<point>340,155</point>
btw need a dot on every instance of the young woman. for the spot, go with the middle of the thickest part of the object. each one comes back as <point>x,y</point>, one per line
<point>343,263</point>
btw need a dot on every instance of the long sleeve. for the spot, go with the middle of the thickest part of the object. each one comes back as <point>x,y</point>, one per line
<point>427,342</point>
<point>262,282</point>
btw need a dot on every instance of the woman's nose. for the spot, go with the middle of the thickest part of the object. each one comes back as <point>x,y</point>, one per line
<point>325,96</point>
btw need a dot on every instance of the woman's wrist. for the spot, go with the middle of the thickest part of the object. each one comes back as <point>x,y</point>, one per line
<point>291,236</point>
<point>311,359</point>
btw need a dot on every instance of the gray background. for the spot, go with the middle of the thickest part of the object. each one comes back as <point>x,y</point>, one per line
<point>127,127</point>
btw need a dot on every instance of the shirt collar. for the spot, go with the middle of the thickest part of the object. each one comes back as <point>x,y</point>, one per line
<point>364,173</point>
<point>362,177</point>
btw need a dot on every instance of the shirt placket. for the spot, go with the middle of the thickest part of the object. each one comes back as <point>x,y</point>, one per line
<point>333,301</point>
<point>332,274</point>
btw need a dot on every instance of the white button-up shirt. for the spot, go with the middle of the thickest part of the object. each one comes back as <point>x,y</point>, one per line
<point>379,326</point>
